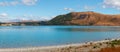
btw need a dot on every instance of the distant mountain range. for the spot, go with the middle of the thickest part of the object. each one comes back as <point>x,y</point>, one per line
<point>89,18</point>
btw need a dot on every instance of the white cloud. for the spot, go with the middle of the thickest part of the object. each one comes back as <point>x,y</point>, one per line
<point>3,15</point>
<point>46,18</point>
<point>29,2</point>
<point>34,18</point>
<point>111,4</point>
<point>18,2</point>
<point>14,3</point>
<point>68,9</point>
<point>88,8</point>
<point>104,6</point>
<point>11,3</point>
<point>3,3</point>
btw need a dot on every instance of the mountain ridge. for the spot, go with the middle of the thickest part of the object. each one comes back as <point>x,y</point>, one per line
<point>86,19</point>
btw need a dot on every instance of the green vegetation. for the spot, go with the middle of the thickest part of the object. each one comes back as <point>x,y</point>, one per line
<point>114,42</point>
<point>61,19</point>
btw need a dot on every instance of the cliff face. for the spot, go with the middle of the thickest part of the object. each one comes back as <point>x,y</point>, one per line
<point>86,18</point>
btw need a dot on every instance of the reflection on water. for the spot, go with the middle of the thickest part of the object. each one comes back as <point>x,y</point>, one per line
<point>27,36</point>
<point>88,29</point>
<point>64,28</point>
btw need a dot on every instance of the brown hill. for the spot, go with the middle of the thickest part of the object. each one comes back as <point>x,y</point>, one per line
<point>86,18</point>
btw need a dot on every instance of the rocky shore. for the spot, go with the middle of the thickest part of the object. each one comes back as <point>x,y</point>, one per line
<point>82,47</point>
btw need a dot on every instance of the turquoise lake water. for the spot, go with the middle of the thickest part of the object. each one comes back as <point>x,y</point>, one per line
<point>36,36</point>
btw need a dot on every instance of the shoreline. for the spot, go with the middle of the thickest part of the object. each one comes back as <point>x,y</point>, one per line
<point>52,48</point>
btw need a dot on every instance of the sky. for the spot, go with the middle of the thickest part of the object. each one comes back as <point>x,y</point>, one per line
<point>18,10</point>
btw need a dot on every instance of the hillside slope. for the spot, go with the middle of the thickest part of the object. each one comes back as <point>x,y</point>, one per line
<point>86,18</point>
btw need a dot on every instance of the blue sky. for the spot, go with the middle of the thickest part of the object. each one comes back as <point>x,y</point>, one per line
<point>13,10</point>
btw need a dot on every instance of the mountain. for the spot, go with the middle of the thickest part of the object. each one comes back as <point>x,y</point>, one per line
<point>89,18</point>
<point>24,23</point>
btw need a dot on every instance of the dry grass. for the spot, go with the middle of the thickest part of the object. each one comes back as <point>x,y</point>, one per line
<point>112,49</point>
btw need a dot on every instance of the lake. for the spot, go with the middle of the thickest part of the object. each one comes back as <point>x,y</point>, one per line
<point>36,36</point>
